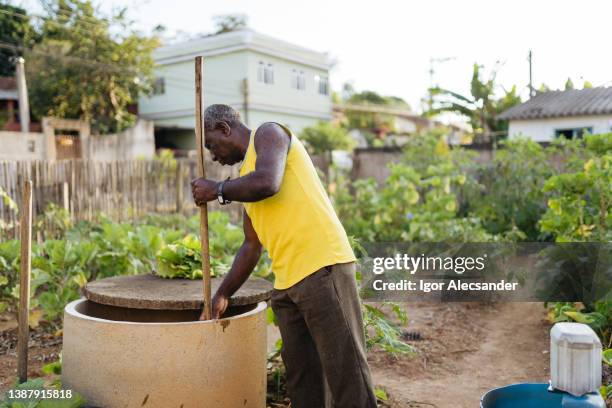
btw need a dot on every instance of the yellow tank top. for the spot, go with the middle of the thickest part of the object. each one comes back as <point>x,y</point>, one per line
<point>298,225</point>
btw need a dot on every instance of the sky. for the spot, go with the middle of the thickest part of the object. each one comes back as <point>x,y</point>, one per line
<point>386,45</point>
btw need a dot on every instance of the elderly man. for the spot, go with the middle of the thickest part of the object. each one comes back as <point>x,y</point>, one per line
<point>315,299</point>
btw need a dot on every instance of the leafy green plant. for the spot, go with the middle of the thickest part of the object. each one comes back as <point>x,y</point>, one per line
<point>419,202</point>
<point>606,389</point>
<point>607,357</point>
<point>181,259</point>
<point>381,394</point>
<point>54,222</point>
<point>8,202</point>
<point>54,367</point>
<point>508,196</point>
<point>600,319</point>
<point>579,211</point>
<point>580,207</point>
<point>86,251</point>
<point>381,333</point>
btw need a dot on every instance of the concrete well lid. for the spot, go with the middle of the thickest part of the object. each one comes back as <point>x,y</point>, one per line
<point>152,292</point>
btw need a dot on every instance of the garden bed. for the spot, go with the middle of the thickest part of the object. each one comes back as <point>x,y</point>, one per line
<point>44,348</point>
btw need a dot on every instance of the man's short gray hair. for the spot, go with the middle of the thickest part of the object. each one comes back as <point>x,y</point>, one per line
<point>217,113</point>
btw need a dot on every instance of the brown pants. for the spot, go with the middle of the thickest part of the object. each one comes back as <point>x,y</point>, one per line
<point>323,341</point>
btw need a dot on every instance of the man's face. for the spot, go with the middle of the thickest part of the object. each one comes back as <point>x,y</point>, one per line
<point>222,146</point>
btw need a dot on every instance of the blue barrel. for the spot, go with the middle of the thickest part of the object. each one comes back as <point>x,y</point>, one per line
<point>537,396</point>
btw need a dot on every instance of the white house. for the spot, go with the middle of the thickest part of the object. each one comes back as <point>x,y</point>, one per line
<point>267,79</point>
<point>553,114</point>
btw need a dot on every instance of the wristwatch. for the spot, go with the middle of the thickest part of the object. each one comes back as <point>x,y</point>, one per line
<point>220,197</point>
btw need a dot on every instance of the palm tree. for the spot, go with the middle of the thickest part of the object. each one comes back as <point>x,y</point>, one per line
<point>480,107</point>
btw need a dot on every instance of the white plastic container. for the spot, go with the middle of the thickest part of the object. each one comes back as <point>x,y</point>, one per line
<point>575,359</point>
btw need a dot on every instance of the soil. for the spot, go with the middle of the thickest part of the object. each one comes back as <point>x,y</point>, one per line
<point>465,350</point>
<point>44,346</point>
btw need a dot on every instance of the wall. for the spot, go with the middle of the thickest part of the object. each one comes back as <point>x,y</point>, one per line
<point>17,145</point>
<point>373,162</point>
<point>136,142</point>
<point>543,130</point>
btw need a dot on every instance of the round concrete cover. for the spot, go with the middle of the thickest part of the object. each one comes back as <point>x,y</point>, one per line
<point>152,292</point>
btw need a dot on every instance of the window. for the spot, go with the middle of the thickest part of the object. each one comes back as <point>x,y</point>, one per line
<point>573,133</point>
<point>265,73</point>
<point>159,86</point>
<point>260,71</point>
<point>323,84</point>
<point>298,79</point>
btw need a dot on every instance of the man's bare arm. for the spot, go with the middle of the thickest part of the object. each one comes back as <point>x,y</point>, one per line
<point>271,145</point>
<point>245,261</point>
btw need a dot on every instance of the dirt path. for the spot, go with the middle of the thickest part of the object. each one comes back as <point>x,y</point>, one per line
<point>468,349</point>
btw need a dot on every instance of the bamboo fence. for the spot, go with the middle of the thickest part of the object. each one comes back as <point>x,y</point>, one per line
<point>120,190</point>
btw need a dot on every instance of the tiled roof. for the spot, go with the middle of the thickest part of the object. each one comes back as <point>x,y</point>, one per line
<point>552,104</point>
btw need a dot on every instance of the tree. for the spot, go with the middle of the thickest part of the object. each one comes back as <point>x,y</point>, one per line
<point>323,138</point>
<point>480,107</point>
<point>230,22</point>
<point>544,88</point>
<point>15,31</point>
<point>373,98</point>
<point>373,122</point>
<point>510,99</point>
<point>569,85</point>
<point>87,66</point>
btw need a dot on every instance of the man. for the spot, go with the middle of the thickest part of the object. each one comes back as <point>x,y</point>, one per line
<point>315,299</point>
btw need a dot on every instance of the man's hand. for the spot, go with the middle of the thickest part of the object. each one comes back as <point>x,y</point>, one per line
<point>219,305</point>
<point>203,190</point>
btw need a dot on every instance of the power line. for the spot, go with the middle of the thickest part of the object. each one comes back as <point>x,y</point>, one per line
<point>46,18</point>
<point>49,20</point>
<point>109,67</point>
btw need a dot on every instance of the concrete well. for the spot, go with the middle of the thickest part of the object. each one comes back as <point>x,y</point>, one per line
<point>120,358</point>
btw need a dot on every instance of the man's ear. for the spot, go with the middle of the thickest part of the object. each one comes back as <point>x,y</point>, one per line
<point>224,128</point>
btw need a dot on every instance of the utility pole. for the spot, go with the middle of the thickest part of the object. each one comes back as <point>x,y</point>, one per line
<point>245,99</point>
<point>22,94</point>
<point>531,91</point>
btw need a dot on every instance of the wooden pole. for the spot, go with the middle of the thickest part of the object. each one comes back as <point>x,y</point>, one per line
<point>179,187</point>
<point>24,285</point>
<point>200,138</point>
<point>66,197</point>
